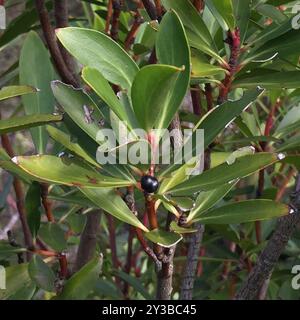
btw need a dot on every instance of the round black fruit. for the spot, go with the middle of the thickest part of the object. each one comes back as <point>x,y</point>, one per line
<point>149,184</point>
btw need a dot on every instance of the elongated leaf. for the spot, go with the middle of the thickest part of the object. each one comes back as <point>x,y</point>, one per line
<point>207,199</point>
<point>80,107</point>
<point>82,282</point>
<point>152,95</point>
<point>135,283</point>
<point>172,48</point>
<point>223,10</point>
<point>101,86</point>
<point>7,250</point>
<point>36,70</point>
<point>111,202</point>
<point>270,80</point>
<point>163,238</point>
<point>289,121</point>
<point>96,50</point>
<point>225,173</point>
<point>53,235</point>
<point>33,207</point>
<point>16,277</point>
<point>65,140</point>
<point>66,171</point>
<point>245,211</point>
<point>14,91</point>
<point>25,122</point>
<point>41,274</point>
<point>242,14</point>
<point>197,32</point>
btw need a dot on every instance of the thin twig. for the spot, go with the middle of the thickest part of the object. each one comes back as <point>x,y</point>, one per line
<point>50,38</point>
<point>19,199</point>
<point>268,258</point>
<point>150,8</point>
<point>114,31</point>
<point>138,20</point>
<point>108,15</point>
<point>46,202</point>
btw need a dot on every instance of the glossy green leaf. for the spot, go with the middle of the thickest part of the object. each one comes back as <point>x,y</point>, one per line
<point>223,10</point>
<point>65,140</point>
<point>53,235</point>
<point>163,238</point>
<point>270,80</point>
<point>7,250</point>
<point>207,199</point>
<point>101,86</point>
<point>97,50</point>
<point>82,282</point>
<point>80,107</point>
<point>289,122</point>
<point>242,15</point>
<point>41,274</point>
<point>152,97</point>
<point>70,172</point>
<point>36,70</point>
<point>17,277</point>
<point>20,123</point>
<point>225,173</point>
<point>172,48</point>
<point>111,202</point>
<point>272,12</point>
<point>201,67</point>
<point>14,91</point>
<point>245,211</point>
<point>33,207</point>
<point>197,32</point>
<point>174,227</point>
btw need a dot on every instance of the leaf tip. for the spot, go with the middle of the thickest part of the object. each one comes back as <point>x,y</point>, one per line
<point>15,160</point>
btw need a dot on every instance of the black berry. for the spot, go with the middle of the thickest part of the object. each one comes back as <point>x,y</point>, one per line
<point>149,184</point>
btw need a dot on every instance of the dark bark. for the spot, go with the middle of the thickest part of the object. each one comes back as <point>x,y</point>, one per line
<point>270,255</point>
<point>190,269</point>
<point>50,38</point>
<point>150,8</point>
<point>88,239</point>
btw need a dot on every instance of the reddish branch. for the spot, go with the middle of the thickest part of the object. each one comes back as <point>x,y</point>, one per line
<point>114,31</point>
<point>138,20</point>
<point>150,8</point>
<point>46,203</point>
<point>50,38</point>
<point>196,99</point>
<point>267,260</point>
<point>234,42</point>
<point>199,5</point>
<point>158,8</point>
<point>209,96</point>
<point>108,15</point>
<point>19,199</point>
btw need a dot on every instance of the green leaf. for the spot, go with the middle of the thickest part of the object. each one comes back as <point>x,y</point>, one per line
<point>6,250</point>
<point>242,15</point>
<point>174,227</point>
<point>172,48</point>
<point>225,173</point>
<point>272,12</point>
<point>80,107</point>
<point>152,97</point>
<point>135,283</point>
<point>17,277</point>
<point>207,199</point>
<point>101,86</point>
<point>82,282</point>
<point>33,207</point>
<point>70,172</point>
<point>163,238</point>
<point>36,70</point>
<point>223,10</point>
<point>97,50</point>
<point>20,123</point>
<point>197,32</point>
<point>41,274</point>
<point>270,80</point>
<point>244,211</point>
<point>201,67</point>
<point>14,91</point>
<point>289,122</point>
<point>111,202</point>
<point>53,235</point>
<point>65,140</point>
